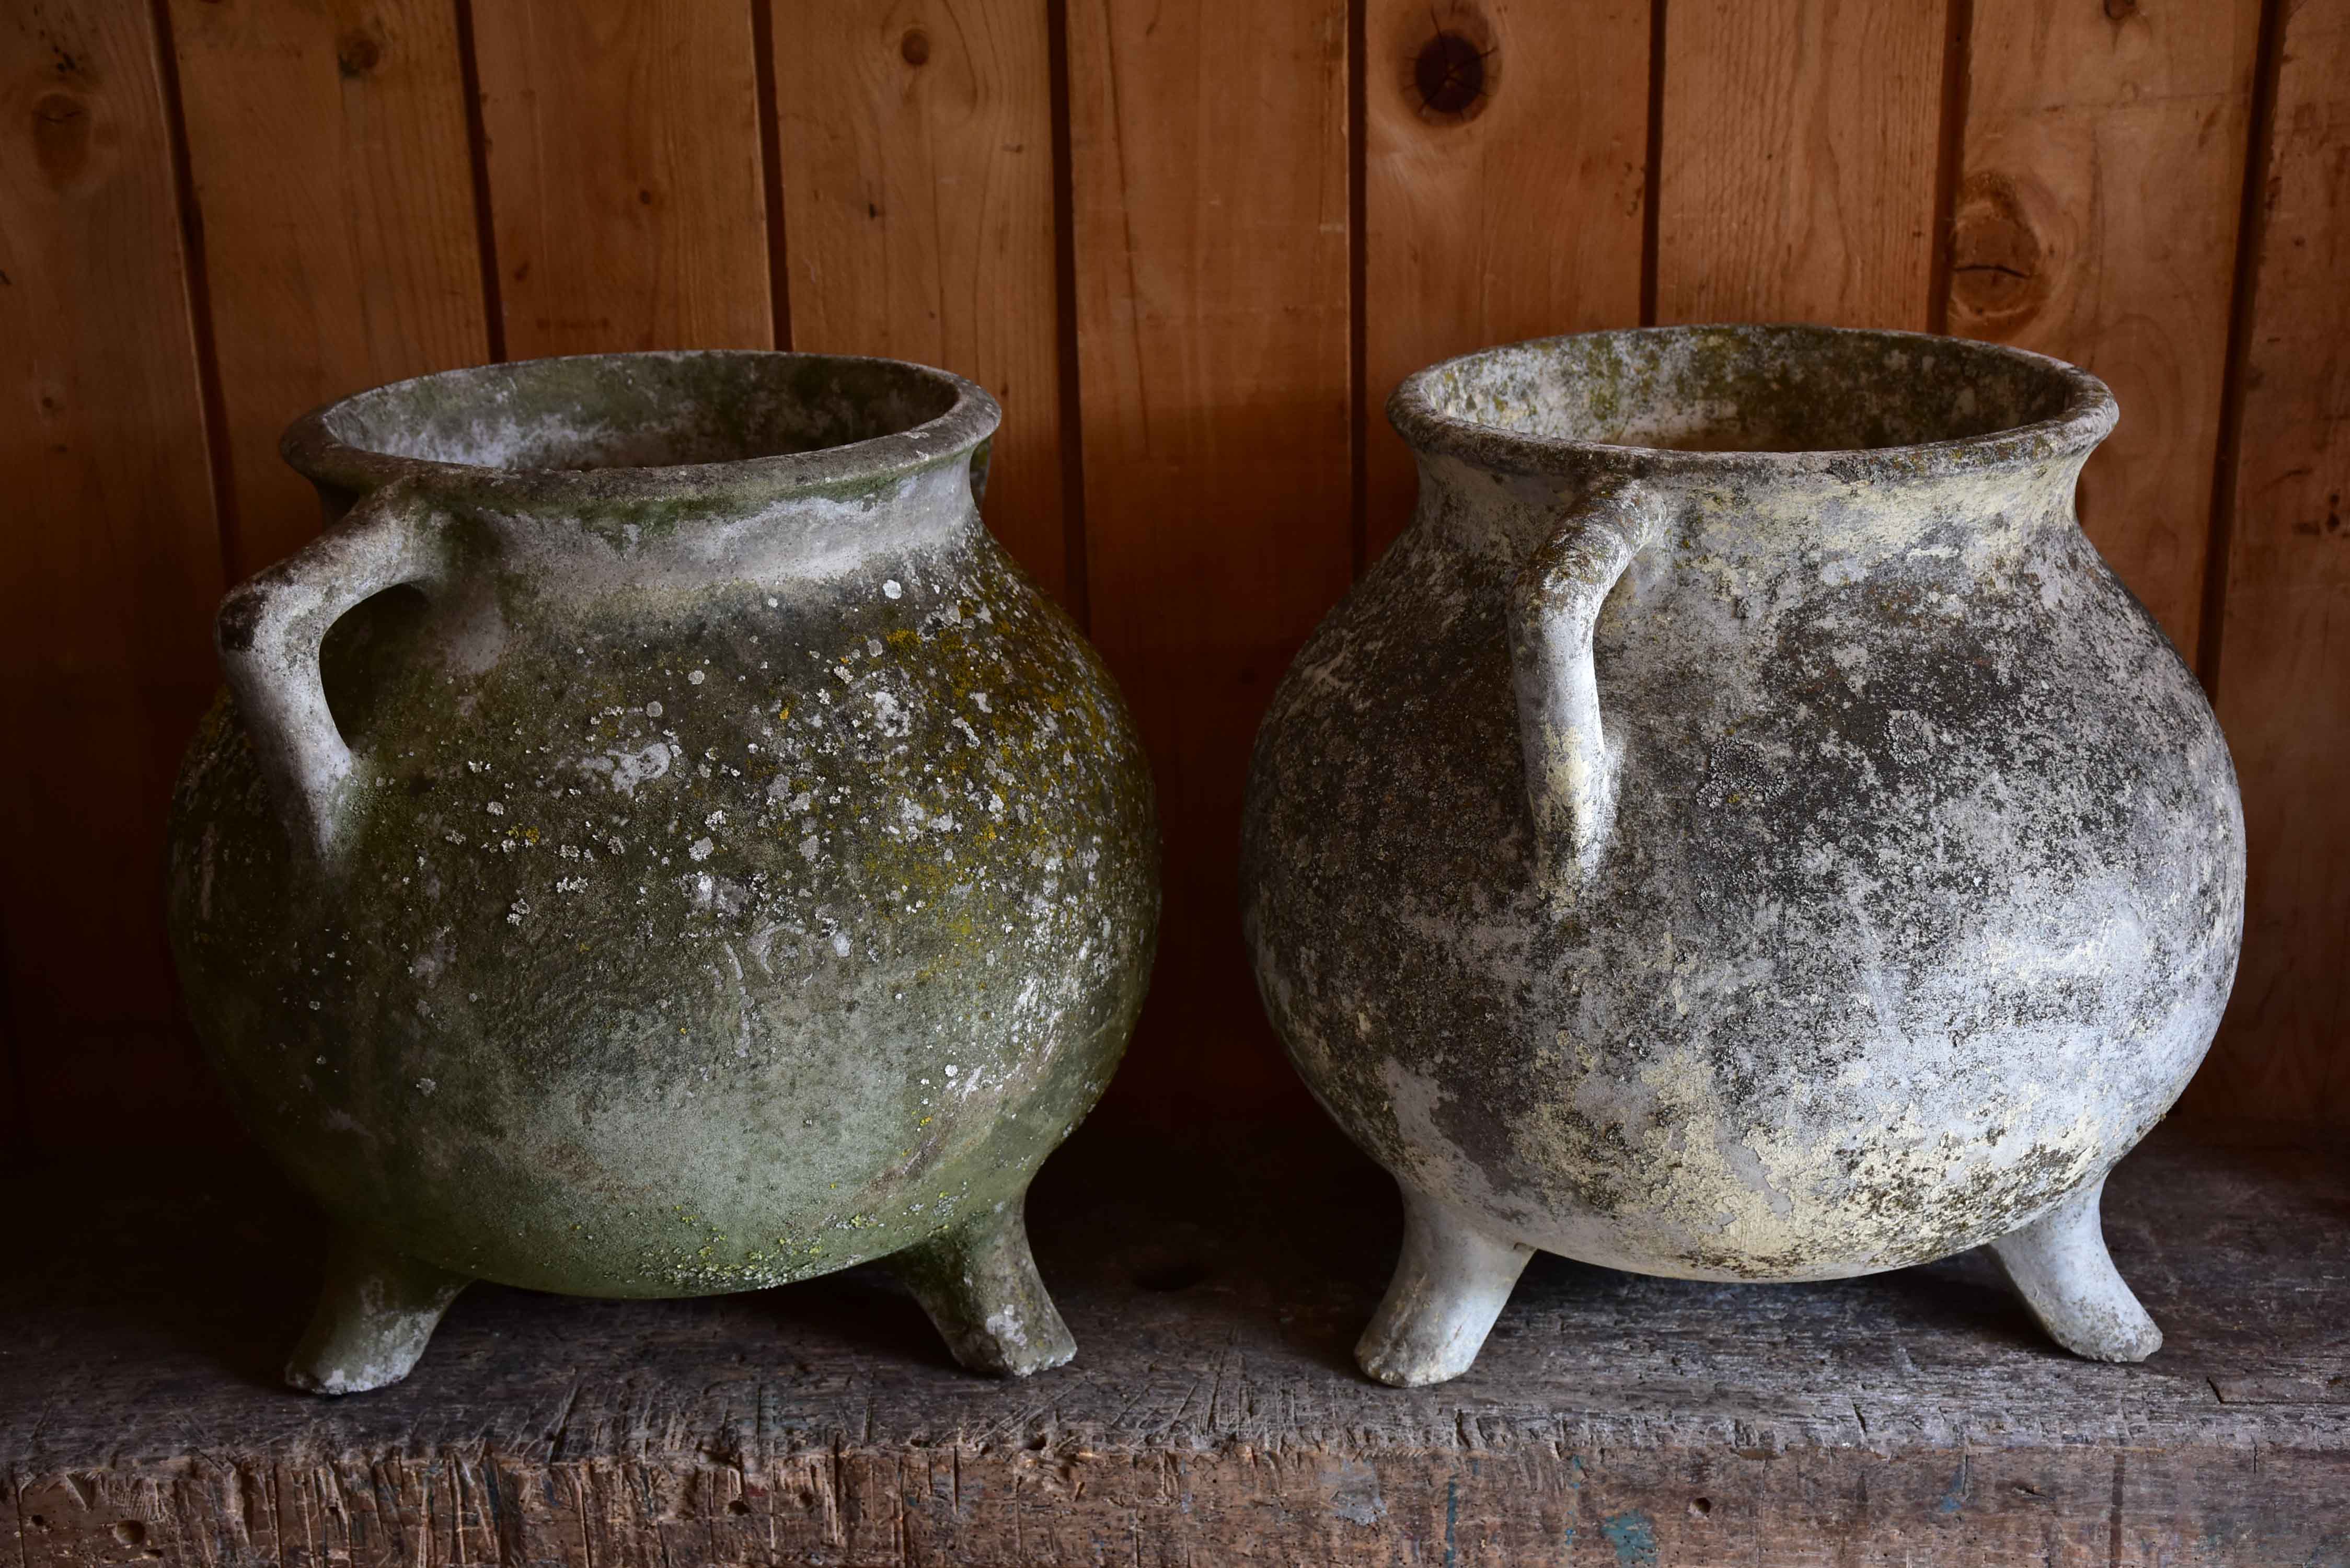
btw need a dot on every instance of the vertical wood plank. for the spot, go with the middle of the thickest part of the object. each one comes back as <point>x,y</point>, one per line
<point>624,174</point>
<point>327,145</point>
<point>1800,144</point>
<point>2096,221</point>
<point>113,557</point>
<point>1515,214</point>
<point>1209,148</point>
<point>2284,671</point>
<point>918,192</point>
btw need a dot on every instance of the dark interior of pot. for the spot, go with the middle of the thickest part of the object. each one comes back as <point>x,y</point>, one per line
<point>641,410</point>
<point>1750,388</point>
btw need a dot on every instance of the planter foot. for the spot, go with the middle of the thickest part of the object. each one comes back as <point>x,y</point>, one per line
<point>2060,1267</point>
<point>375,1316</point>
<point>1450,1285</point>
<point>978,1282</point>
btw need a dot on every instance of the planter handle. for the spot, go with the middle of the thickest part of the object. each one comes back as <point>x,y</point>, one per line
<point>1554,607</point>
<point>268,631</point>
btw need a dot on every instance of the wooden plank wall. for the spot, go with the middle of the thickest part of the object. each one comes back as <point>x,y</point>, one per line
<point>2280,652</point>
<point>1192,246</point>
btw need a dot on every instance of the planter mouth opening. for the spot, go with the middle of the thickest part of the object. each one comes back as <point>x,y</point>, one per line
<point>614,426</point>
<point>1753,399</point>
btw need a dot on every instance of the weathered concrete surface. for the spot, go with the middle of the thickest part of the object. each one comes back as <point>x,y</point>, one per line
<point>1613,1421</point>
<point>737,869</point>
<point>1743,830</point>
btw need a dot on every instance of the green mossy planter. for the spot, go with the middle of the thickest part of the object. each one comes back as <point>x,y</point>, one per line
<point>655,843</point>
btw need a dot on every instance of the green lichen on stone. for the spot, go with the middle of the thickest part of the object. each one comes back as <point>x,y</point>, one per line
<point>747,873</point>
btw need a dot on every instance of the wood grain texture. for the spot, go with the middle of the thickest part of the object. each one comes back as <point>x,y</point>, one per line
<point>917,189</point>
<point>2284,658</point>
<point>1210,167</point>
<point>112,559</point>
<point>1213,1413</point>
<point>2104,168</point>
<point>1800,144</point>
<point>623,153</point>
<point>1520,217</point>
<point>326,139</point>
<point>1209,140</point>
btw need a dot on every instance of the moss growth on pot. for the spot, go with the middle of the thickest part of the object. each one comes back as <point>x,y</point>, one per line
<point>701,874</point>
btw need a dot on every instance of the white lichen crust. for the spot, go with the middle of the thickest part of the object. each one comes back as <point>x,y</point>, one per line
<point>717,864</point>
<point>1845,870</point>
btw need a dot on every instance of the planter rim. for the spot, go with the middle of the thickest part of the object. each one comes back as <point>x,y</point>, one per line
<point>2087,416</point>
<point>315,448</point>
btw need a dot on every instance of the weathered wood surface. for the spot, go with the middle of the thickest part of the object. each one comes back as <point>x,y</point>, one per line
<point>1213,1413</point>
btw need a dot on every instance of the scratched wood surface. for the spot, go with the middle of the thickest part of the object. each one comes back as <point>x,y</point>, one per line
<point>917,189</point>
<point>1191,246</point>
<point>327,146</point>
<point>2285,653</point>
<point>1213,1414</point>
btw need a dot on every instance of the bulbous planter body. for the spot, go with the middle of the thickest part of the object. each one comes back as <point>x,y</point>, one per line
<point>675,878</point>
<point>1743,830</point>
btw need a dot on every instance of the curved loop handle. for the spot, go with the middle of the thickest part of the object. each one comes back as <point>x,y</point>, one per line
<point>1554,607</point>
<point>981,458</point>
<point>268,632</point>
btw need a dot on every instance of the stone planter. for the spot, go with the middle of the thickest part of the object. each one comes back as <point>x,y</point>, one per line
<point>657,844</point>
<point>1742,831</point>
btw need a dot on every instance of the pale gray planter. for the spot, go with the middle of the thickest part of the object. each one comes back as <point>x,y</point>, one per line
<point>1743,831</point>
<point>717,865</point>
